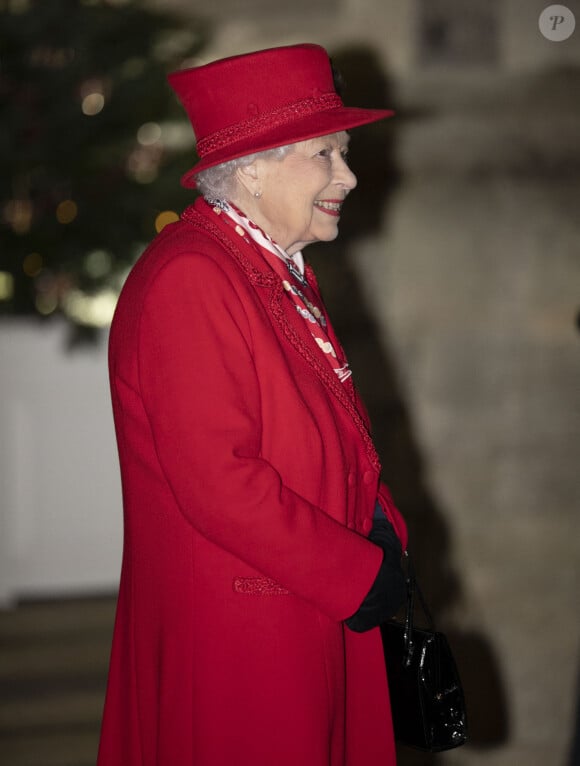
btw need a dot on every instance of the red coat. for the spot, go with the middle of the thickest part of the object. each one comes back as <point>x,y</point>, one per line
<point>249,483</point>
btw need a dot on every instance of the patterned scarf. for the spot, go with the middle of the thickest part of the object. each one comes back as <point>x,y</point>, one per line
<point>290,269</point>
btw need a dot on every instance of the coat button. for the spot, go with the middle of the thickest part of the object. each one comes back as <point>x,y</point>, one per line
<point>368,477</point>
<point>367,525</point>
<point>351,480</point>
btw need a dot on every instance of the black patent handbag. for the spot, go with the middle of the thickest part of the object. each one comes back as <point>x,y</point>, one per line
<point>427,700</point>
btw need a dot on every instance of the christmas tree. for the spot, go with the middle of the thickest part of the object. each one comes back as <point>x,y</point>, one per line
<point>93,144</point>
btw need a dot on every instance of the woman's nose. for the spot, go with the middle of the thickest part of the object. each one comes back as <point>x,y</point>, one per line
<point>343,174</point>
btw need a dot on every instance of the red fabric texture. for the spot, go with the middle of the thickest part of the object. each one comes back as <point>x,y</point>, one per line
<point>249,484</point>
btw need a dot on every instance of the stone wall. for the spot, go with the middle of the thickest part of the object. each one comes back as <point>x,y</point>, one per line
<point>477,294</point>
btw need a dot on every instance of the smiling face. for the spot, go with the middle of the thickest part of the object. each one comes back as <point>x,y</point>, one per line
<point>301,194</point>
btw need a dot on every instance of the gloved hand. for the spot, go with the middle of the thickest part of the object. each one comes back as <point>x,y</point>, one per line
<point>389,589</point>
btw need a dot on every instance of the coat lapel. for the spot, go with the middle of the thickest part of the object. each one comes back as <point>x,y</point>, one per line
<point>290,325</point>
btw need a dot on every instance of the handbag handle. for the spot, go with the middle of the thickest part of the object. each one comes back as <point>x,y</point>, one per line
<point>412,588</point>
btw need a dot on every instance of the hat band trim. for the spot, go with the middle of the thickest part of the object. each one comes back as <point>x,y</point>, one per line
<point>272,119</point>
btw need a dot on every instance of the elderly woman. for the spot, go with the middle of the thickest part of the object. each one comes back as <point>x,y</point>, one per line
<point>261,550</point>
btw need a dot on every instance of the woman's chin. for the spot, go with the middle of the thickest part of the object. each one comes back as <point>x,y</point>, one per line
<point>332,233</point>
<point>328,231</point>
<point>321,236</point>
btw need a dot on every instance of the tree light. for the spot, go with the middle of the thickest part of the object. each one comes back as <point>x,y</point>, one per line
<point>92,104</point>
<point>66,211</point>
<point>6,286</point>
<point>149,133</point>
<point>167,216</point>
<point>32,264</point>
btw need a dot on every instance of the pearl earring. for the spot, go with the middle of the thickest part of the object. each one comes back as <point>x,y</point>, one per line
<point>257,195</point>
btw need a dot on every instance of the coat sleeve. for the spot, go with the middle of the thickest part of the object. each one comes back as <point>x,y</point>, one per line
<point>202,398</point>
<point>393,515</point>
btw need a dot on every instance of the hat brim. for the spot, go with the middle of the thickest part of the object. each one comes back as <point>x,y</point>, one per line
<point>312,126</point>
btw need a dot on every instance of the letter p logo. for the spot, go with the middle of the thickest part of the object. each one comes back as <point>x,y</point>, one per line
<point>557,23</point>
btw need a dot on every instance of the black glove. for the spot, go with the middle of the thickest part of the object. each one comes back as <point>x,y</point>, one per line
<point>389,589</point>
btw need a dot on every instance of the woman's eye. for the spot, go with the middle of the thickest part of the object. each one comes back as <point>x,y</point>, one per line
<point>323,153</point>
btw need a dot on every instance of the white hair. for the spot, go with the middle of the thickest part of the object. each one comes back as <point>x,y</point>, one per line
<point>218,182</point>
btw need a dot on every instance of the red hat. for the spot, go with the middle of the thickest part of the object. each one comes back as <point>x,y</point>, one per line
<point>257,101</point>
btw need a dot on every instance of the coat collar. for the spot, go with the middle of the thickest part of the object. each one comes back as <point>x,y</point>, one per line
<point>289,323</point>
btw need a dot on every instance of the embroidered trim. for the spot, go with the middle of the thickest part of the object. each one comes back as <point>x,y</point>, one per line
<point>258,277</point>
<point>325,373</point>
<point>258,586</point>
<point>271,280</point>
<point>266,121</point>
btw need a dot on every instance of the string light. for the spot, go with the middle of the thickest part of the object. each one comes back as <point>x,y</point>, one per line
<point>98,263</point>
<point>18,214</point>
<point>164,218</point>
<point>93,310</point>
<point>92,97</point>
<point>92,104</point>
<point>6,286</point>
<point>32,264</point>
<point>149,133</point>
<point>46,303</point>
<point>66,211</point>
<point>143,163</point>
<point>177,135</point>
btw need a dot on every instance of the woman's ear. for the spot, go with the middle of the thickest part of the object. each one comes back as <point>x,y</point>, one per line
<point>249,178</point>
